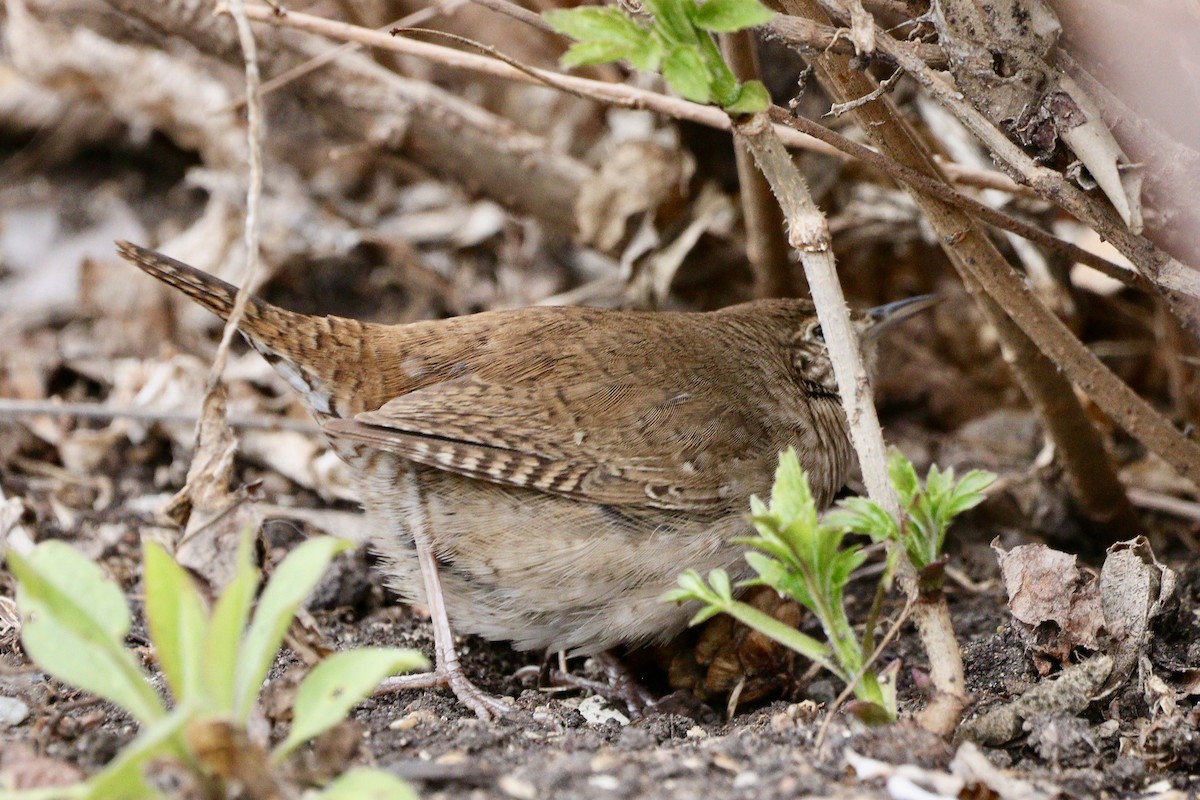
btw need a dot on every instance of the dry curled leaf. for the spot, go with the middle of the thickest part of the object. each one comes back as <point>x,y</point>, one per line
<point>1134,588</point>
<point>1046,586</point>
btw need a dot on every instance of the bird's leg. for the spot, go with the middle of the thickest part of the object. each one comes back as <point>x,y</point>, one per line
<point>446,671</point>
<point>620,685</point>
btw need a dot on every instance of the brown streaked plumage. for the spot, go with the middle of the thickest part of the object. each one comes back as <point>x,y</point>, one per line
<point>547,472</point>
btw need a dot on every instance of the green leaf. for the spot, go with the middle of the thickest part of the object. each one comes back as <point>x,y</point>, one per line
<point>691,587</point>
<point>791,498</point>
<point>583,54</point>
<point>727,16</point>
<point>75,621</point>
<point>863,516</point>
<point>903,477</point>
<point>336,685</point>
<point>596,23</point>
<point>605,34</point>
<point>938,483</point>
<point>671,21</point>
<point>752,98</point>
<point>968,493</point>
<point>844,565</point>
<point>769,543</point>
<point>365,783</point>
<point>291,583</point>
<point>176,617</point>
<point>774,574</point>
<point>718,579</point>
<point>687,74</point>
<point>227,626</point>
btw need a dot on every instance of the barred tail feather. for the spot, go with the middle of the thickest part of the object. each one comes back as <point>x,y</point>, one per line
<point>208,290</point>
<point>300,347</point>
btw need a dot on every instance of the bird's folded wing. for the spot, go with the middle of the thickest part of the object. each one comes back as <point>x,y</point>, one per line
<point>613,444</point>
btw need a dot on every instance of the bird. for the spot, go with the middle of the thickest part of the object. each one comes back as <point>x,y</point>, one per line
<point>542,475</point>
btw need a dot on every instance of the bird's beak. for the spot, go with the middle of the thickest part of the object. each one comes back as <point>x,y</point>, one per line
<point>880,318</point>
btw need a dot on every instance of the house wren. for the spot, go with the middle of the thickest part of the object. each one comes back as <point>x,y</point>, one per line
<point>542,475</point>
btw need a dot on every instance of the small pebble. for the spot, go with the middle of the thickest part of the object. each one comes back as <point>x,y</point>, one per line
<point>12,712</point>
<point>745,779</point>
<point>516,787</point>
<point>607,783</point>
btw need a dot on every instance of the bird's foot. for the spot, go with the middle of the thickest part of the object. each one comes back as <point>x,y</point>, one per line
<point>485,706</point>
<point>620,688</point>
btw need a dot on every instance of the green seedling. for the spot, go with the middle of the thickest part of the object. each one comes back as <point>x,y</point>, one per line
<point>674,37</point>
<point>928,511</point>
<point>806,558</point>
<point>214,664</point>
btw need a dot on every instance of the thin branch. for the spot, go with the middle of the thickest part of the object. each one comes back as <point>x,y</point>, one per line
<point>806,135</point>
<point>809,235</point>
<point>10,408</point>
<point>541,76</point>
<point>254,135</point>
<point>518,13</point>
<point>615,93</point>
<point>766,247</point>
<point>885,86</point>
<point>334,53</point>
<point>941,191</point>
<point>804,33</point>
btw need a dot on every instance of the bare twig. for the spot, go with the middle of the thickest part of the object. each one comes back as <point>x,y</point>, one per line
<point>807,135</point>
<point>939,190</point>
<point>541,76</point>
<point>206,488</point>
<point>804,33</point>
<point>36,408</point>
<point>516,12</point>
<point>766,248</point>
<point>334,53</point>
<point>809,235</point>
<point>598,90</point>
<point>254,135</point>
<point>885,86</point>
<point>1166,504</point>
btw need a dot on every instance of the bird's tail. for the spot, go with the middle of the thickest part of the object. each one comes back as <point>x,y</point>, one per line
<point>310,353</point>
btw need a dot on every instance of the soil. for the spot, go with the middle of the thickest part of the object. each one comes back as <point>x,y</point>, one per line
<point>562,742</point>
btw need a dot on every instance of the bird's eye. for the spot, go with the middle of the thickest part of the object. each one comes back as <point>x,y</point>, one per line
<point>818,334</point>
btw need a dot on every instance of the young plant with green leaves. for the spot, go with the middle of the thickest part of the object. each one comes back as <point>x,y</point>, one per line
<point>214,662</point>
<point>929,509</point>
<point>806,558</point>
<point>674,36</point>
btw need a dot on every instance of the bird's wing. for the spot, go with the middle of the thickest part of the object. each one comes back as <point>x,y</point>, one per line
<point>618,444</point>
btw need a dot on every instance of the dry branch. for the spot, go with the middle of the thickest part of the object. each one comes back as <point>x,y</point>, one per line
<point>808,233</point>
<point>363,102</point>
<point>766,248</point>
<point>1004,295</point>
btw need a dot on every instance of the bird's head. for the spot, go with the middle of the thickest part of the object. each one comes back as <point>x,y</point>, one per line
<point>810,355</point>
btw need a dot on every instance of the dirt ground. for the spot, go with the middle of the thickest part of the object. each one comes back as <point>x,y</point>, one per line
<point>560,742</point>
